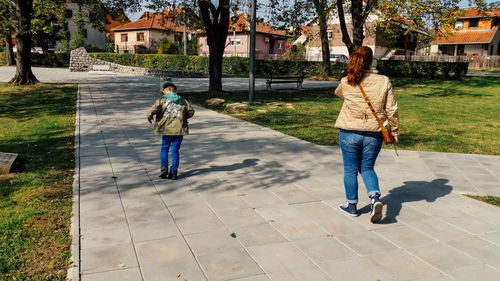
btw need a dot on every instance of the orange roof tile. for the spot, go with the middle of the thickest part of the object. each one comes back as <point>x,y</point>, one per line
<point>157,21</point>
<point>261,27</point>
<point>467,37</point>
<point>474,12</point>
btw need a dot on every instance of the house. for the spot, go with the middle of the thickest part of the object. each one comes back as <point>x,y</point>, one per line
<point>112,23</point>
<point>268,41</point>
<point>92,35</point>
<point>374,38</point>
<point>146,32</point>
<point>475,33</point>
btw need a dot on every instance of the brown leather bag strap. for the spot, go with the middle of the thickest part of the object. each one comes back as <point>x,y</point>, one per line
<point>371,107</point>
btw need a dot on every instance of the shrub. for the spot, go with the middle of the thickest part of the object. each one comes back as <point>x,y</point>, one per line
<point>3,58</point>
<point>422,69</point>
<point>237,66</point>
<point>50,59</point>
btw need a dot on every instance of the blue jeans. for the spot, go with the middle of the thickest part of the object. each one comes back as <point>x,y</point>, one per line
<point>174,143</point>
<point>359,152</point>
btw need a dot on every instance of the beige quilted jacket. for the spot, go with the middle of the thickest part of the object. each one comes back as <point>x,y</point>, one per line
<point>355,113</point>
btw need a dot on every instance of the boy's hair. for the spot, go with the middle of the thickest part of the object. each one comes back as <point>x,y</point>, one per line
<point>168,85</point>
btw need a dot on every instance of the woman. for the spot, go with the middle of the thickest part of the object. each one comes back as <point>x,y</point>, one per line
<point>360,134</point>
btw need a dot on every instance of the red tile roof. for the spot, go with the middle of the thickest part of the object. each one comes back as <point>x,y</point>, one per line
<point>467,37</point>
<point>241,25</point>
<point>114,23</point>
<point>157,21</point>
<point>474,12</point>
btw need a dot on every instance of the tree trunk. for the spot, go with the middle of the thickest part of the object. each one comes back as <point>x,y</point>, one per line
<point>325,44</point>
<point>357,24</point>
<point>24,11</point>
<point>216,22</point>
<point>11,60</point>
<point>215,68</point>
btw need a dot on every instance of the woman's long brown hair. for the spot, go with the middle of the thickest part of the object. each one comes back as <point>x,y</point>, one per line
<point>358,63</point>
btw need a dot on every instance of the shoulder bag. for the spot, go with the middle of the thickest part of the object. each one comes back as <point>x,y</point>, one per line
<point>386,132</point>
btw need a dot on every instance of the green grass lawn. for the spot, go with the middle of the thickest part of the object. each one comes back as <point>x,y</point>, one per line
<point>493,200</point>
<point>37,122</point>
<point>435,115</point>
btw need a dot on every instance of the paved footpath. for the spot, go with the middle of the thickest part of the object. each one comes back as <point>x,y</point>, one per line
<point>277,194</point>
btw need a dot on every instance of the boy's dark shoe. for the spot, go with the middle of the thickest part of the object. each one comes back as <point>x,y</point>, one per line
<point>172,175</point>
<point>376,213</point>
<point>164,172</point>
<point>349,209</point>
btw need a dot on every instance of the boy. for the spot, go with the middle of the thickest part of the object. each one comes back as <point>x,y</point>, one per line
<point>171,113</point>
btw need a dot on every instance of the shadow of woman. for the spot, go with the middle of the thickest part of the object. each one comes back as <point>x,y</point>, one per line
<point>411,191</point>
<point>227,168</point>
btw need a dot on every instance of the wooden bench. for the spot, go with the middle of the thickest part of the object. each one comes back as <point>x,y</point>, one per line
<point>285,79</point>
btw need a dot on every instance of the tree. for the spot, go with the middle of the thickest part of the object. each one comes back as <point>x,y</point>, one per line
<point>299,13</point>
<point>215,21</point>
<point>7,9</point>
<point>49,22</point>
<point>23,16</point>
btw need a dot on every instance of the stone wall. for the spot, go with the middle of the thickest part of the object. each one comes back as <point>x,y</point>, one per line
<point>81,61</point>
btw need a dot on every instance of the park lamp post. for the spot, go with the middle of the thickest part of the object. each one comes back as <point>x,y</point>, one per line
<point>251,92</point>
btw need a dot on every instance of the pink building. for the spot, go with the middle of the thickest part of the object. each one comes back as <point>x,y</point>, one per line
<point>269,41</point>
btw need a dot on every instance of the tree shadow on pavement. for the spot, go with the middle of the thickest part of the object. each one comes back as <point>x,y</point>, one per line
<point>411,191</point>
<point>225,168</point>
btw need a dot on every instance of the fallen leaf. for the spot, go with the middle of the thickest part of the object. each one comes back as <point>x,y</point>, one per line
<point>178,275</point>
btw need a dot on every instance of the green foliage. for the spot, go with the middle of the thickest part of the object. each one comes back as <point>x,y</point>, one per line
<point>3,58</point>
<point>49,59</point>
<point>422,69</point>
<point>237,66</point>
<point>165,46</point>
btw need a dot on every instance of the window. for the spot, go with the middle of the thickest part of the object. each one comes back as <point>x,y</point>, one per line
<point>459,24</point>
<point>124,37</point>
<point>140,37</point>
<point>85,33</point>
<point>237,41</point>
<point>473,23</point>
<point>68,13</point>
<point>329,34</point>
<point>280,44</point>
<point>92,16</point>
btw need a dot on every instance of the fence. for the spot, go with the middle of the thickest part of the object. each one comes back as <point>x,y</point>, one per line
<point>475,62</point>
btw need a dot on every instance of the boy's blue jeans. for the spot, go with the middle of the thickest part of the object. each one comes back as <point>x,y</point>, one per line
<point>359,152</point>
<point>174,143</point>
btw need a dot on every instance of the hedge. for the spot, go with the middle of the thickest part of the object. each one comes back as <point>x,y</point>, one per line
<point>50,59</point>
<point>230,65</point>
<point>422,69</point>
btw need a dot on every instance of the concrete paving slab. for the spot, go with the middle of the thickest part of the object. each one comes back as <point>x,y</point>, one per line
<point>240,217</point>
<point>403,266</point>
<point>101,259</point>
<point>260,234</point>
<point>129,274</point>
<point>186,269</point>
<point>260,277</point>
<point>406,237</point>
<point>325,248</point>
<point>358,269</point>
<point>367,243</point>
<point>298,229</point>
<point>163,250</point>
<point>211,242</point>
<point>297,273</point>
<point>229,264</point>
<point>438,256</point>
<point>475,272</point>
<point>278,255</point>
<point>480,249</point>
